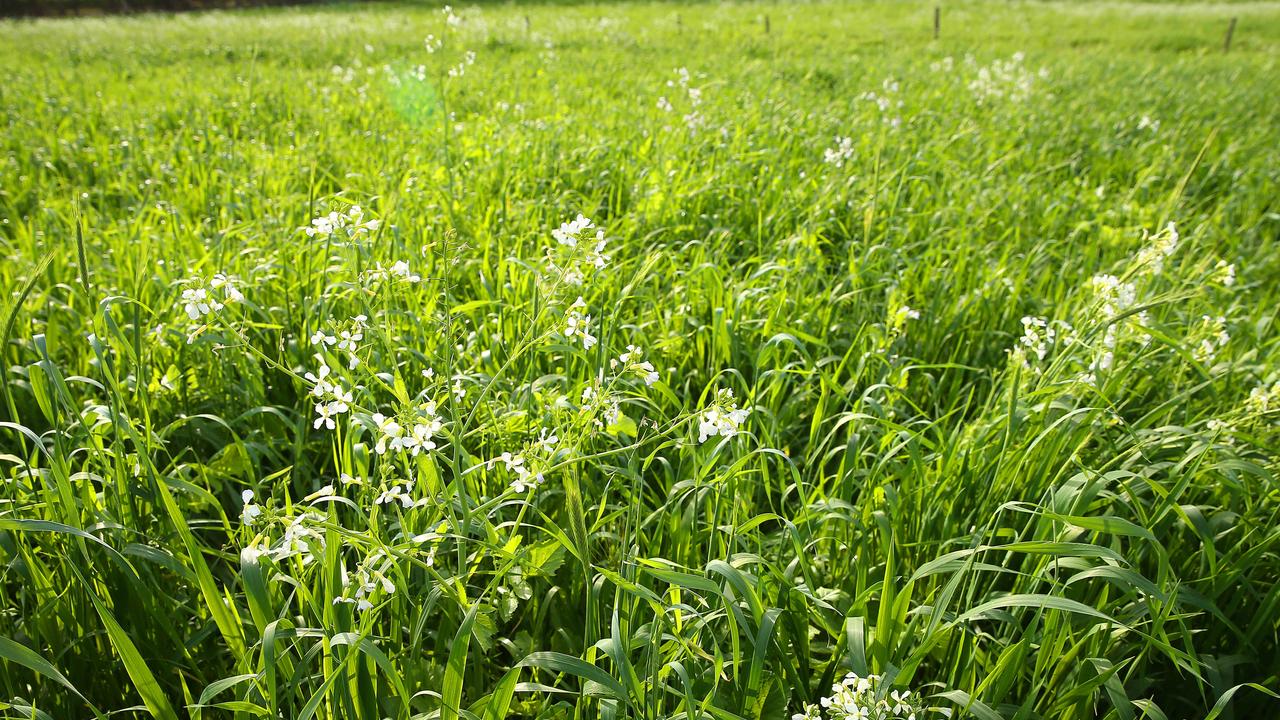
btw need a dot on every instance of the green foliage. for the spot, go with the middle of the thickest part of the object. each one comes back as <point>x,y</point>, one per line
<point>925,385</point>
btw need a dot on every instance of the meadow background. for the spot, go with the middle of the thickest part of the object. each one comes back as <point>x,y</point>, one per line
<point>999,436</point>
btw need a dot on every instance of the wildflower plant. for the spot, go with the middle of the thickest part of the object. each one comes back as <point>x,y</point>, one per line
<point>864,698</point>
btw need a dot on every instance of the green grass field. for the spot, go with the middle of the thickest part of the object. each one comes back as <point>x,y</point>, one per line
<point>949,363</point>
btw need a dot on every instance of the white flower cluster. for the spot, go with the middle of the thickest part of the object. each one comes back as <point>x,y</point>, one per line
<point>1005,79</point>
<point>898,318</point>
<point>693,119</point>
<point>371,576</point>
<point>1152,257</point>
<point>1263,399</point>
<point>840,153</point>
<point>1039,337</point>
<point>863,698</point>
<point>450,18</point>
<point>630,361</point>
<point>251,511</point>
<point>419,436</point>
<point>199,300</point>
<point>525,479</point>
<point>345,340</point>
<point>1223,428</point>
<point>468,59</point>
<point>887,101</point>
<point>1113,307</point>
<point>572,259</point>
<point>1113,296</point>
<point>398,272</point>
<point>301,539</point>
<point>332,399</point>
<point>1215,338</point>
<point>528,477</point>
<point>348,226</point>
<point>1225,273</point>
<point>527,467</point>
<point>577,325</point>
<point>570,231</point>
<point>401,491</point>
<point>723,418</point>
<point>601,405</point>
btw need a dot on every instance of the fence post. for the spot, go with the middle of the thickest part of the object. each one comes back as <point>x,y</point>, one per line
<point>1231,30</point>
<point>937,21</point>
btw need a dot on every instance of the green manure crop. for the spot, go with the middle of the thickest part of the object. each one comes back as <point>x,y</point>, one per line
<point>642,361</point>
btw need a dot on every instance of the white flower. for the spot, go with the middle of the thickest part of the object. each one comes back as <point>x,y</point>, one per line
<point>525,479</point>
<point>647,372</point>
<point>322,387</point>
<point>631,362</point>
<point>371,576</point>
<point>1217,338</point>
<point>420,436</point>
<point>1037,336</point>
<point>1263,399</point>
<point>326,491</point>
<point>578,325</point>
<point>1152,256</point>
<point>397,493</point>
<point>596,257</point>
<point>230,293</point>
<point>862,698</point>
<point>569,232</point>
<point>1005,79</point>
<point>198,302</point>
<point>604,408</point>
<point>1114,297</point>
<point>840,154</point>
<point>390,434</point>
<point>250,511</point>
<point>547,440</point>
<point>723,418</point>
<point>1225,273</point>
<point>350,225</point>
<point>348,341</point>
<point>300,539</point>
<point>401,270</point>
<point>898,318</point>
<point>325,414</point>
